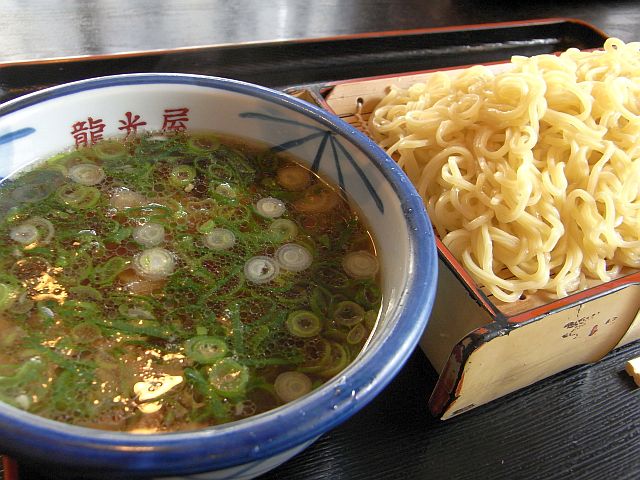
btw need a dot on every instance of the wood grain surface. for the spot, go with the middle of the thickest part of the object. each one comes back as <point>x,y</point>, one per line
<point>581,424</point>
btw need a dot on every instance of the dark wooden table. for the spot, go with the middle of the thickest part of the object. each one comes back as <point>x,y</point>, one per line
<point>583,423</point>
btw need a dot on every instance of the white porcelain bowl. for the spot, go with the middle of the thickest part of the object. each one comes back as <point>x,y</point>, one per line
<point>38,125</point>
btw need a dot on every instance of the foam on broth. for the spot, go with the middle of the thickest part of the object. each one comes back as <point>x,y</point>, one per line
<point>175,282</point>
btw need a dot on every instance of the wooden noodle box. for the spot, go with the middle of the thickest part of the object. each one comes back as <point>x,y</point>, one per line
<point>484,349</point>
<point>482,354</point>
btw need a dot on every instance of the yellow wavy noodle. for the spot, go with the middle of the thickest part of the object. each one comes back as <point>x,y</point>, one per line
<point>531,176</point>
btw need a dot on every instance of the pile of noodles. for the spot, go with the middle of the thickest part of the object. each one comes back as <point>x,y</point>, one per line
<point>531,176</point>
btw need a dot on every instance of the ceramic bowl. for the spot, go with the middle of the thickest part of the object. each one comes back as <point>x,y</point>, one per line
<point>38,125</point>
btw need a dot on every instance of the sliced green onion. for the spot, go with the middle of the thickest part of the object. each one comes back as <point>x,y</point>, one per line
<point>151,211</point>
<point>270,207</point>
<point>225,190</point>
<point>339,359</point>
<point>25,373</point>
<point>37,185</point>
<point>69,388</point>
<point>293,257</point>
<point>317,354</point>
<point>205,349</point>
<point>220,171</point>
<point>136,312</point>
<point>154,263</point>
<point>370,319</point>
<point>332,277</point>
<point>317,199</point>
<point>200,330</point>
<point>140,326</point>
<point>120,234</point>
<point>356,334</point>
<point>229,377</point>
<point>46,231</point>
<point>215,404</point>
<point>8,296</point>
<point>232,312</point>
<point>230,214</point>
<point>320,301</point>
<point>246,408</point>
<point>86,292</point>
<point>269,183</point>
<point>368,295</point>
<point>72,309</point>
<point>30,193</point>
<point>203,142</point>
<point>23,304</point>
<point>24,233</point>
<point>360,264</point>
<point>185,244</point>
<point>283,229</point>
<point>261,269</point>
<point>72,157</point>
<point>292,385</point>
<point>303,323</point>
<point>85,332</point>
<point>207,226</point>
<point>78,196</point>
<point>86,174</point>
<point>230,164</point>
<point>149,234</point>
<point>220,239</point>
<point>110,150</point>
<point>336,334</point>
<point>182,175</point>
<point>20,401</point>
<point>157,138</point>
<point>105,274</point>
<point>122,198</point>
<point>348,313</point>
<point>294,177</point>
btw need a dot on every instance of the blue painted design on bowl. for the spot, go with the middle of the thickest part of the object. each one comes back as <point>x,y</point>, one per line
<point>15,135</point>
<point>337,150</point>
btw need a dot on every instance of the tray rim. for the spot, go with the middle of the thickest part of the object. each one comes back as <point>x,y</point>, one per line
<point>304,40</point>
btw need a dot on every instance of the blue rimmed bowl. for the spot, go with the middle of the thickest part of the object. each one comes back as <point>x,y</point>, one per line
<point>36,126</point>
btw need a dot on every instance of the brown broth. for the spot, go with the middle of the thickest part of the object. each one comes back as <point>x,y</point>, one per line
<point>108,324</point>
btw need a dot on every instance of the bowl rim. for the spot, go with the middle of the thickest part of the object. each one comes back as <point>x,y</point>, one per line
<point>277,430</point>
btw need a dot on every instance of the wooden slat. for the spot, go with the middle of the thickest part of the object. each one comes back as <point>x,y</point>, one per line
<point>344,97</point>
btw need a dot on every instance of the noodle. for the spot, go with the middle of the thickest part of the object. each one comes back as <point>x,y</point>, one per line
<point>531,176</point>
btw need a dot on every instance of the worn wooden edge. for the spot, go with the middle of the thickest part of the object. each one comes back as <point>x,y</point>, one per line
<point>583,333</point>
<point>8,469</point>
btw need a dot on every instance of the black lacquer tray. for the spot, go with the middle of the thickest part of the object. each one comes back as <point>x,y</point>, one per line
<point>582,423</point>
<point>290,63</point>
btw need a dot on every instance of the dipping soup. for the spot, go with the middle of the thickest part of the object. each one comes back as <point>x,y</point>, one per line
<point>166,283</point>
